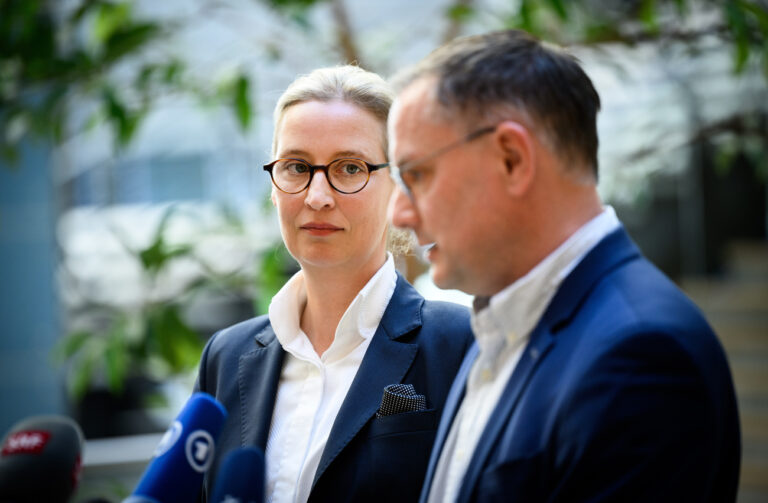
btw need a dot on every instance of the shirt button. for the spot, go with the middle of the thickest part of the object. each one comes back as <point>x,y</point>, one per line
<point>487,375</point>
<point>511,336</point>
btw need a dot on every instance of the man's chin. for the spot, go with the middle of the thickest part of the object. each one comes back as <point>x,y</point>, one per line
<point>441,278</point>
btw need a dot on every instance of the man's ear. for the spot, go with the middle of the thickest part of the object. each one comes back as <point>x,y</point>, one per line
<point>517,150</point>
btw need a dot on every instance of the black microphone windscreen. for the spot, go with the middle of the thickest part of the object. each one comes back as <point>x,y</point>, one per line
<point>241,477</point>
<point>40,460</point>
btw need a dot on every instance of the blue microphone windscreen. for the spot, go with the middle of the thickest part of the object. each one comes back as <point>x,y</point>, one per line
<point>241,477</point>
<point>175,474</point>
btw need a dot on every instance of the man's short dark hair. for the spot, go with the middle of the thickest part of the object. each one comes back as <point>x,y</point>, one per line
<point>478,76</point>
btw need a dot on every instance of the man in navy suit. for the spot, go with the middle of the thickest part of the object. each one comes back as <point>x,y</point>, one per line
<point>592,377</point>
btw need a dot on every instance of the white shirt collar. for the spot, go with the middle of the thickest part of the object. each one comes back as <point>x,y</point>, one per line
<point>512,313</point>
<point>359,322</point>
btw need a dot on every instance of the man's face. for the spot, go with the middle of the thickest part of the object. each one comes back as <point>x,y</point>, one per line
<point>457,196</point>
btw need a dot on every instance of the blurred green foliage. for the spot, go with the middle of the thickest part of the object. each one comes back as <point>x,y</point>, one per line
<point>742,23</point>
<point>155,339</point>
<point>52,58</point>
<point>152,340</point>
<point>51,55</point>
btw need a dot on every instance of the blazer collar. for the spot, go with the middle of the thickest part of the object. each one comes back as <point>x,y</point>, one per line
<point>612,251</point>
<point>452,402</point>
<point>258,376</point>
<point>386,361</point>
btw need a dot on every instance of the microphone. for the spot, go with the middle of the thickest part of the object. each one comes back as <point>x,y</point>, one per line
<point>241,478</point>
<point>186,451</point>
<point>40,460</point>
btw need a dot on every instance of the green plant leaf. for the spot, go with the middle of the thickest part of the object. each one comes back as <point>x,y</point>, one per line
<point>83,368</point>
<point>302,4</point>
<point>85,7</point>
<point>242,101</point>
<point>276,267</point>
<point>116,356</point>
<point>9,154</point>
<point>682,7</point>
<point>765,60</point>
<point>738,25</point>
<point>600,32</point>
<point>179,345</point>
<point>124,121</point>
<point>559,7</point>
<point>648,15</point>
<point>81,380</point>
<point>71,344</point>
<point>109,18</point>
<point>172,72</point>
<point>158,254</point>
<point>759,13</point>
<point>144,78</point>
<point>128,39</point>
<point>460,12</point>
<point>526,16</point>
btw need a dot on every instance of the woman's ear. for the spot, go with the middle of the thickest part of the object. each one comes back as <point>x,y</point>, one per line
<point>516,148</point>
<point>273,196</point>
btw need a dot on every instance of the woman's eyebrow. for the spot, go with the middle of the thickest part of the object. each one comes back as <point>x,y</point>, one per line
<point>336,155</point>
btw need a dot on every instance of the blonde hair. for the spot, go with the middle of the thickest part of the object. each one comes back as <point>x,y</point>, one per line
<point>347,83</point>
<point>350,84</point>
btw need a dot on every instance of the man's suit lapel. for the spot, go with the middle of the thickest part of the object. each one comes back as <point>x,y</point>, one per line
<point>610,253</point>
<point>386,361</point>
<point>452,402</point>
<point>537,349</point>
<point>258,376</point>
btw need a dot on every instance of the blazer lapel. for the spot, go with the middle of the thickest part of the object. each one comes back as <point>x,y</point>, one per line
<point>386,361</point>
<point>613,251</point>
<point>536,350</point>
<point>455,395</point>
<point>258,377</point>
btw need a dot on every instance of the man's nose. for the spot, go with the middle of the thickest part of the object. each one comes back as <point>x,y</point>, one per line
<point>401,211</point>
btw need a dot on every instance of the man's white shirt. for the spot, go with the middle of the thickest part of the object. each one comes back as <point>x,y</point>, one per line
<point>502,326</point>
<point>312,388</point>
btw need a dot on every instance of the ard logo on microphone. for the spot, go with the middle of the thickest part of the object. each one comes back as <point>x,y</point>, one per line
<point>199,450</point>
<point>169,439</point>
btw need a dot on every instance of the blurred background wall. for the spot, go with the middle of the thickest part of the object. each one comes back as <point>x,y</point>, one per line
<point>134,214</point>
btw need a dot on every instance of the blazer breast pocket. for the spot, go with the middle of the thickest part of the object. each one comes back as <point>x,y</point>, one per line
<point>397,448</point>
<point>403,423</point>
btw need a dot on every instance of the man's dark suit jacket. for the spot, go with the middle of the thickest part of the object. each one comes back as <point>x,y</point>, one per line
<point>622,394</point>
<point>366,458</point>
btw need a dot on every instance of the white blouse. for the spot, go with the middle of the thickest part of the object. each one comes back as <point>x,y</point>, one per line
<point>312,388</point>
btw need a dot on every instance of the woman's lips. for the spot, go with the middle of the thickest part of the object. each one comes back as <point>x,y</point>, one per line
<point>320,228</point>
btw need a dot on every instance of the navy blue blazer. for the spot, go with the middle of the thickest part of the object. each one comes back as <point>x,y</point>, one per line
<point>366,458</point>
<point>622,394</point>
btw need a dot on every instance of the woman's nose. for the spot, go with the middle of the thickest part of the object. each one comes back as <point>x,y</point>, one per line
<point>320,194</point>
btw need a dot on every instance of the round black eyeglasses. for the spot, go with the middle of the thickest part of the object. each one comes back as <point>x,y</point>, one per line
<point>347,175</point>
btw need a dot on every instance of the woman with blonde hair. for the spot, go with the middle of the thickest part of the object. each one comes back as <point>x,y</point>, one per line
<point>343,382</point>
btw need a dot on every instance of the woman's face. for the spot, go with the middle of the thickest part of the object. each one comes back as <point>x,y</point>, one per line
<point>323,228</point>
